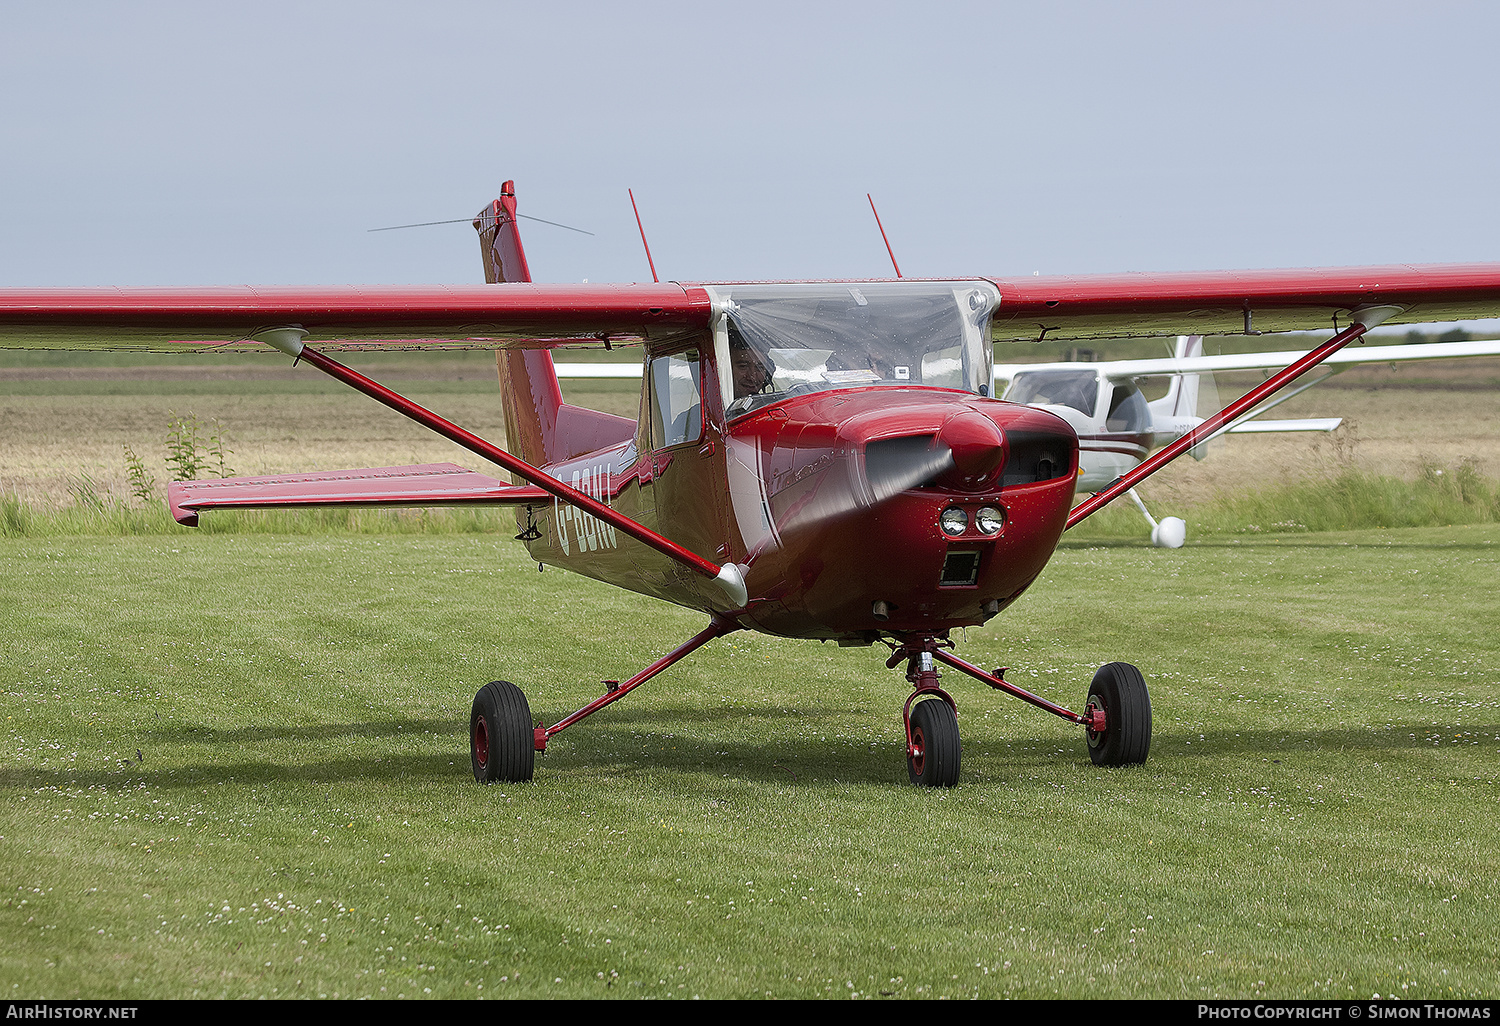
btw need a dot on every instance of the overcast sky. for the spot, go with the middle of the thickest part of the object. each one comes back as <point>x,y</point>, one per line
<point>162,143</point>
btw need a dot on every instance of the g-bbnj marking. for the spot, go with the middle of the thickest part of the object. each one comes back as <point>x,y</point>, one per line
<point>589,533</point>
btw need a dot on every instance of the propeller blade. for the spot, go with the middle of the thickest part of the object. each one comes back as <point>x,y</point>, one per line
<point>893,465</point>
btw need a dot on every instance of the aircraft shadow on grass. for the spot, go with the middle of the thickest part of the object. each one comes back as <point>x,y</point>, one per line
<point>809,759</point>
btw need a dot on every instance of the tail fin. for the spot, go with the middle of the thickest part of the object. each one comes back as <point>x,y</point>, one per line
<point>539,427</point>
<point>500,239</point>
<point>1189,400</point>
<point>1181,399</point>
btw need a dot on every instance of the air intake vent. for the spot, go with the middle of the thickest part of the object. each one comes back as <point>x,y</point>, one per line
<point>1035,456</point>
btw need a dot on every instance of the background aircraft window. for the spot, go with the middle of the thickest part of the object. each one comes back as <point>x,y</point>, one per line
<point>676,401</point>
<point>1078,389</point>
<point>1127,410</point>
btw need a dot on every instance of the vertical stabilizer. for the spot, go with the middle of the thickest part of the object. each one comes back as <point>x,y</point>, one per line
<point>1181,399</point>
<point>539,427</point>
<point>1189,400</point>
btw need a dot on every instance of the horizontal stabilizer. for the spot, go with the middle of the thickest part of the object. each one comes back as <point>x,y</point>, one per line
<point>426,484</point>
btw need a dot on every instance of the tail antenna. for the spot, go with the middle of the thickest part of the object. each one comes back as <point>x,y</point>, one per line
<point>882,235</point>
<point>642,228</point>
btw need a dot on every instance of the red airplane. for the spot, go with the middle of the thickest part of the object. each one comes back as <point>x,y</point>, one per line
<point>817,460</point>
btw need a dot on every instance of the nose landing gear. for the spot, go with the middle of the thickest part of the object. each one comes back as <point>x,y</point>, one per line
<point>1116,719</point>
<point>931,717</point>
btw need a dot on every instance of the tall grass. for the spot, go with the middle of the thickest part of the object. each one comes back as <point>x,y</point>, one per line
<point>1356,500</point>
<point>1353,499</point>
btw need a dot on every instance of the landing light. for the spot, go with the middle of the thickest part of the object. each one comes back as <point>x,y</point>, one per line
<point>989,520</point>
<point>954,521</point>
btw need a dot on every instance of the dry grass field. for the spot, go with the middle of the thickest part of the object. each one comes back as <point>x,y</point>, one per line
<point>66,417</point>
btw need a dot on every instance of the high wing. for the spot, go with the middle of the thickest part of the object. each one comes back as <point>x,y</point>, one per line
<point>1236,302</point>
<point>1120,369</point>
<point>513,315</point>
<point>521,314</point>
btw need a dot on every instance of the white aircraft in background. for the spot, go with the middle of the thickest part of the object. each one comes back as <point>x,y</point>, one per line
<point>1118,428</point>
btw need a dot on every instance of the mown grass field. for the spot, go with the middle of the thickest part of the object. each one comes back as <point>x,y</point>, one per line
<point>237,766</point>
<point>235,761</point>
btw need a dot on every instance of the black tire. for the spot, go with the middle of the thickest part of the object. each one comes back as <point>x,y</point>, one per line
<point>1120,690</point>
<point>501,737</point>
<point>934,731</point>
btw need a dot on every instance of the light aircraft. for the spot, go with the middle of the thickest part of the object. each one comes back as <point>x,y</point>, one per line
<point>819,460</point>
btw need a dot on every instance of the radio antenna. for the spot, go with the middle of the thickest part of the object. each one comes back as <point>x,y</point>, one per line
<point>882,235</point>
<point>643,235</point>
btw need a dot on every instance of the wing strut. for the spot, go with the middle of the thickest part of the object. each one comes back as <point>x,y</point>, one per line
<point>289,341</point>
<point>1365,318</point>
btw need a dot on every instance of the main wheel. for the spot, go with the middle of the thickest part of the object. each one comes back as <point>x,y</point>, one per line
<point>501,738</point>
<point>933,762</point>
<point>1120,690</point>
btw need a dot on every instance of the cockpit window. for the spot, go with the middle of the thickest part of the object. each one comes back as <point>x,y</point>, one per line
<point>781,340</point>
<point>1078,389</point>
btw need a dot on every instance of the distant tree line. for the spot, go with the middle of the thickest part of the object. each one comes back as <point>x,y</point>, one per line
<point>1417,338</point>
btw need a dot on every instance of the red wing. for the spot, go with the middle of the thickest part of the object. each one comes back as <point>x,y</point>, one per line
<point>1217,303</point>
<point>427,484</point>
<point>542,316</point>
<point>348,317</point>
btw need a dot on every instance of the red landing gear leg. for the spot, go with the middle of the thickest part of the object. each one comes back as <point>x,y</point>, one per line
<point>930,716</point>
<point>502,740</point>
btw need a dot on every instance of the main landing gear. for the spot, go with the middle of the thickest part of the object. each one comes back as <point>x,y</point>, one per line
<point>503,741</point>
<point>500,734</point>
<point>1117,717</point>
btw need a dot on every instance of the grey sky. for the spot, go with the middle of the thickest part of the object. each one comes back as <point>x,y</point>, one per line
<point>158,143</point>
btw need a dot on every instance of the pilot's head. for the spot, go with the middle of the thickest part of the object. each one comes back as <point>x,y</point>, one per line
<point>751,375</point>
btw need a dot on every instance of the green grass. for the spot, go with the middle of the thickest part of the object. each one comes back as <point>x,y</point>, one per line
<point>236,765</point>
<point>1350,500</point>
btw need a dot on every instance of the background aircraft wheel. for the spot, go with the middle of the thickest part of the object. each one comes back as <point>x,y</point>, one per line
<point>1121,690</point>
<point>934,733</point>
<point>501,741</point>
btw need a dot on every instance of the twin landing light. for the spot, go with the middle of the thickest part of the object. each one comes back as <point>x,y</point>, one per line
<point>988,520</point>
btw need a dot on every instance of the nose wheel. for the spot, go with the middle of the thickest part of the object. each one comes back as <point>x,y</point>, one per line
<point>932,751</point>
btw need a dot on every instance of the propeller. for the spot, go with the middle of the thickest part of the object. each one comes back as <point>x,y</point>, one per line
<point>893,465</point>
<point>962,453</point>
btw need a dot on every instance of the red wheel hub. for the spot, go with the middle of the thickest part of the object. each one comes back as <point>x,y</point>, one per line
<point>481,742</point>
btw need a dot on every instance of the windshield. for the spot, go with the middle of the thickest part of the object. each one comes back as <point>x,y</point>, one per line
<point>781,340</point>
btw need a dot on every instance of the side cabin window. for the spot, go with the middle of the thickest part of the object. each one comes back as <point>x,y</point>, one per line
<point>676,399</point>
<point>1127,409</point>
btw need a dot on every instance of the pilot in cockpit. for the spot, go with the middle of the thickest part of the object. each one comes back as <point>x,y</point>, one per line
<point>751,375</point>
